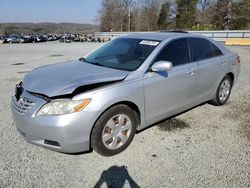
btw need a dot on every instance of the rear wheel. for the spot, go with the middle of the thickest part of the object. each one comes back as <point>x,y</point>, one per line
<point>114,130</point>
<point>223,91</point>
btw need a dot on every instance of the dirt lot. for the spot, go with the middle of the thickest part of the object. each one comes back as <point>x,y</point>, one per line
<point>205,147</point>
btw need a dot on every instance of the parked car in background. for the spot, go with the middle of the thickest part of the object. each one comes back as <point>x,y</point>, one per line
<point>52,38</point>
<point>1,40</point>
<point>15,39</point>
<point>40,38</point>
<point>27,39</point>
<point>126,85</point>
<point>67,38</point>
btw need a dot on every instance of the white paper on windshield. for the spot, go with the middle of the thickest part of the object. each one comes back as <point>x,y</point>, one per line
<point>148,42</point>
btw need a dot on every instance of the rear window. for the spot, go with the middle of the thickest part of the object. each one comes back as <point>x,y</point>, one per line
<point>216,50</point>
<point>200,49</point>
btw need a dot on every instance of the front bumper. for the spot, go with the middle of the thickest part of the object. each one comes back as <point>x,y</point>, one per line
<point>68,133</point>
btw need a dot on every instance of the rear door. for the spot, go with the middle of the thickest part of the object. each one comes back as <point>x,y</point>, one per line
<point>212,66</point>
<point>167,92</point>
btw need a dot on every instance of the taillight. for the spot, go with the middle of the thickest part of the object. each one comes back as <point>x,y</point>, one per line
<point>238,59</point>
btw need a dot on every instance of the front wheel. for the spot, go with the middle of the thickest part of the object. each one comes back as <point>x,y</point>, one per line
<point>114,130</point>
<point>223,91</point>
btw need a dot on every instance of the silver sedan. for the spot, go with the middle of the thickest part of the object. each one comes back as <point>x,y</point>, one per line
<point>128,84</point>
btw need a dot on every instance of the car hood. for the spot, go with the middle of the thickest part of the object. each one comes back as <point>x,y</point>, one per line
<point>64,78</point>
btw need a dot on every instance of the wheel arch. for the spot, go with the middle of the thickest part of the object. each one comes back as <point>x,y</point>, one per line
<point>130,104</point>
<point>231,75</point>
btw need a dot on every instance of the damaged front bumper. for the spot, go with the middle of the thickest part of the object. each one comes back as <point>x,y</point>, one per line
<point>68,133</point>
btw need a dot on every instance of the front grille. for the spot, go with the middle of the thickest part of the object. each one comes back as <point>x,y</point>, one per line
<point>22,105</point>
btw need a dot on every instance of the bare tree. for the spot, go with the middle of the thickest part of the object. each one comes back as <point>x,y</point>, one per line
<point>149,13</point>
<point>205,12</point>
<point>127,6</point>
<point>222,16</point>
<point>240,15</point>
<point>186,11</point>
<point>203,6</point>
<point>111,15</point>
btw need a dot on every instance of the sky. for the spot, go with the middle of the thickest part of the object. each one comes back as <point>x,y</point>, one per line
<point>76,11</point>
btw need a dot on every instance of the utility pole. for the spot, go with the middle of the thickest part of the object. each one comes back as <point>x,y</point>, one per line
<point>228,17</point>
<point>129,19</point>
<point>127,4</point>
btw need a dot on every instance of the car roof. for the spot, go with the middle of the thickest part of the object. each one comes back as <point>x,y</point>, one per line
<point>159,36</point>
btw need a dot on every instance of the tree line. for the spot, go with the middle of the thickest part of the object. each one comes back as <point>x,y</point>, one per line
<point>151,15</point>
<point>44,28</point>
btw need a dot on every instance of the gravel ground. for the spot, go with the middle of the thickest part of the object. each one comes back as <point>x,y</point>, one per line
<point>205,147</point>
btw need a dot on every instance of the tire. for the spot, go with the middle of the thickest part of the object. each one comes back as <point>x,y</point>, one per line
<point>114,130</point>
<point>222,96</point>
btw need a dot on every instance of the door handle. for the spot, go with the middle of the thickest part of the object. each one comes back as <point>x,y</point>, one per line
<point>223,62</point>
<point>190,71</point>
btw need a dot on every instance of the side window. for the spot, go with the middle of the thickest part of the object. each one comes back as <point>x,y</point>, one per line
<point>176,52</point>
<point>200,49</point>
<point>216,50</point>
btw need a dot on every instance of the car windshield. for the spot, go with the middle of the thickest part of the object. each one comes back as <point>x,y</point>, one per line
<point>122,53</point>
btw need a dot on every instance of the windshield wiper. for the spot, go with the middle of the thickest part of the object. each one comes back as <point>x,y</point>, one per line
<point>97,63</point>
<point>93,63</point>
<point>82,59</point>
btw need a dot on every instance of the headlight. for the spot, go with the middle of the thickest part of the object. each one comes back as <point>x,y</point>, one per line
<point>63,106</point>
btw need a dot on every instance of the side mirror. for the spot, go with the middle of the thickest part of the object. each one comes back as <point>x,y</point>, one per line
<point>162,66</point>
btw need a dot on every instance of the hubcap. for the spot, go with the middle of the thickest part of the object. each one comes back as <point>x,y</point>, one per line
<point>224,90</point>
<point>116,131</point>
